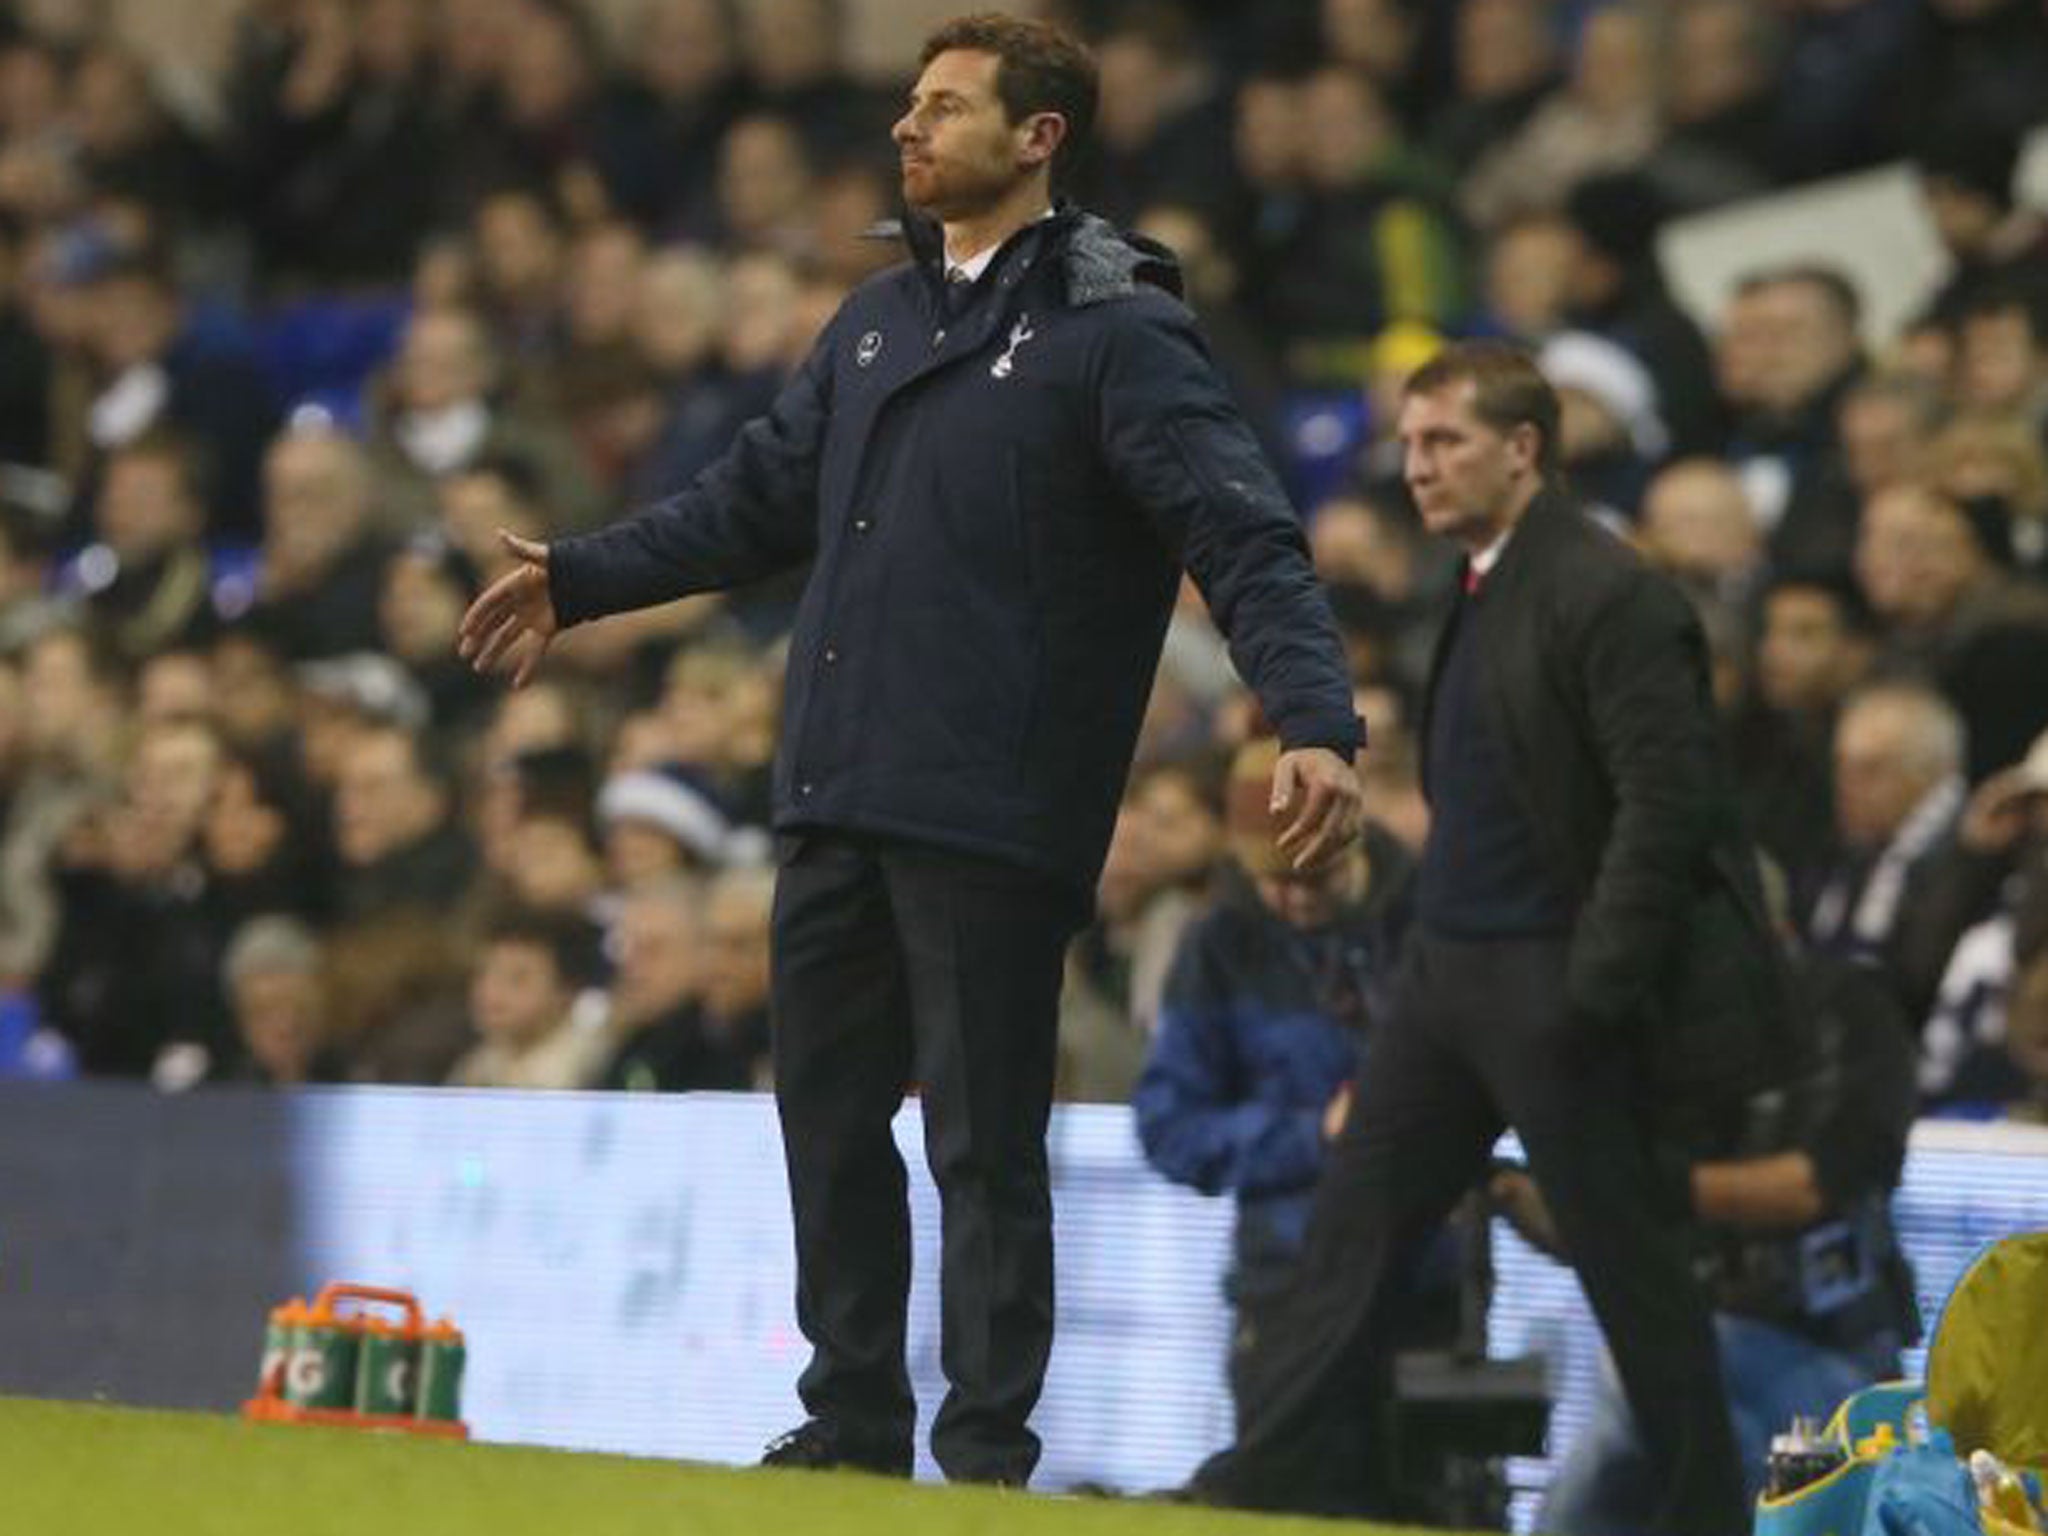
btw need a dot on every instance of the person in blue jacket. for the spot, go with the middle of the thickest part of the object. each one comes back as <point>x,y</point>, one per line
<point>1264,1025</point>
<point>998,458</point>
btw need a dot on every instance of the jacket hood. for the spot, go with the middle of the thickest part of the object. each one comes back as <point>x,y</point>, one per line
<point>1104,262</point>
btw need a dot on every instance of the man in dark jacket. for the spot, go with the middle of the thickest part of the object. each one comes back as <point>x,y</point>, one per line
<point>998,457</point>
<point>1589,952</point>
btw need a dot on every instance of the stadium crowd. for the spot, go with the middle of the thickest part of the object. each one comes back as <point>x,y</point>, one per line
<point>278,356</point>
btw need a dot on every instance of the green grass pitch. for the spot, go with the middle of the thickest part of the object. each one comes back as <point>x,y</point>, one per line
<point>72,1469</point>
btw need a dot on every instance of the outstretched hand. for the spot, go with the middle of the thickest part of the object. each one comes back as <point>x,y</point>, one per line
<point>1322,803</point>
<point>512,621</point>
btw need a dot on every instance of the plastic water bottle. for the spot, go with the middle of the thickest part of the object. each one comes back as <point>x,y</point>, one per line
<point>1800,1456</point>
<point>2000,1491</point>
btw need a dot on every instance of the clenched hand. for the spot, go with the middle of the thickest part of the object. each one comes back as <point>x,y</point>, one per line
<point>1323,804</point>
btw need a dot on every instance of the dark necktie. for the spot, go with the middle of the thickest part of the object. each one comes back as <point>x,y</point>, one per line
<point>959,289</point>
<point>1474,579</point>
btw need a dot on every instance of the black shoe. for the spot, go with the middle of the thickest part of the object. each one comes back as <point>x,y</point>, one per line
<point>1194,1491</point>
<point>1230,1479</point>
<point>818,1444</point>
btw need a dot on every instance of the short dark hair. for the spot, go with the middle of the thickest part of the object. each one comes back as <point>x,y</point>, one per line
<point>1161,26</point>
<point>1921,398</point>
<point>2009,296</point>
<point>1040,68</point>
<point>1835,287</point>
<point>429,756</point>
<point>567,941</point>
<point>1833,284</point>
<point>1975,153</point>
<point>1205,771</point>
<point>1837,585</point>
<point>187,457</point>
<point>1508,390</point>
<point>556,781</point>
<point>515,470</point>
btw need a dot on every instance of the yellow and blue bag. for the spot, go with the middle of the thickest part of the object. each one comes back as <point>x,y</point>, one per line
<point>1906,1445</point>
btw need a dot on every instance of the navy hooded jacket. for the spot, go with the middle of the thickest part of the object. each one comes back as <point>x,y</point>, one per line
<point>999,502</point>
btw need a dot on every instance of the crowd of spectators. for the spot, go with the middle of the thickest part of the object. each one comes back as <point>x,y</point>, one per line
<point>281,351</point>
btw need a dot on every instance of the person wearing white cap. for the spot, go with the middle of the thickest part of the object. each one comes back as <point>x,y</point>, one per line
<point>1590,370</point>
<point>669,804</point>
<point>1611,432</point>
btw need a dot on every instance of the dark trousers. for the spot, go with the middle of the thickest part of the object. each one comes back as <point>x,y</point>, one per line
<point>900,964</point>
<point>1480,1034</point>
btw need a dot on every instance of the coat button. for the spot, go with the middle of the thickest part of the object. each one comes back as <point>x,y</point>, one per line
<point>831,654</point>
<point>938,339</point>
<point>862,524</point>
<point>804,789</point>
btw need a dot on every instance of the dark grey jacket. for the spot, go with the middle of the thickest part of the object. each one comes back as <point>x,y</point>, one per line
<point>1594,672</point>
<point>999,505</point>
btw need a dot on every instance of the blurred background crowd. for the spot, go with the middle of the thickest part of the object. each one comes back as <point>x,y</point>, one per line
<point>281,345</point>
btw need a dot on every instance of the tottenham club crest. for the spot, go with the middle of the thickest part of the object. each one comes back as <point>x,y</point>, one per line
<point>1020,333</point>
<point>869,349</point>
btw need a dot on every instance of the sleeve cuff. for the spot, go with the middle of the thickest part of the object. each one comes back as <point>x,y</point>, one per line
<point>1341,734</point>
<point>562,583</point>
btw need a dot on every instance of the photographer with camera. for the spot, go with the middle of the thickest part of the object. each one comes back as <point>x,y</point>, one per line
<point>1265,1021</point>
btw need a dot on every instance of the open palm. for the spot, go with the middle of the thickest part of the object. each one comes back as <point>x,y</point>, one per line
<point>512,621</point>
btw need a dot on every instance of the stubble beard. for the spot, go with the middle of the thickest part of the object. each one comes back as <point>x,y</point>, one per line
<point>949,198</point>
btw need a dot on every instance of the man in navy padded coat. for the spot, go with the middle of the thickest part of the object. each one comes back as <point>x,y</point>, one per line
<point>999,457</point>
